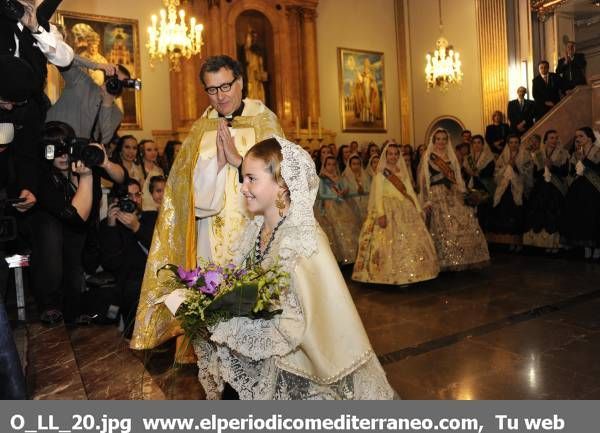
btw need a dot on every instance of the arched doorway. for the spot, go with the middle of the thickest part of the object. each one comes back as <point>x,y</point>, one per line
<point>452,124</point>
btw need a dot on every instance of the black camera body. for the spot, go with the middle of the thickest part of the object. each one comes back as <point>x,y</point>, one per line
<point>115,87</point>
<point>78,149</point>
<point>126,205</point>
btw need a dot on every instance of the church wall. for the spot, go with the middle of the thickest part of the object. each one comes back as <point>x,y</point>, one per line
<point>363,25</point>
<point>460,29</point>
<point>156,107</point>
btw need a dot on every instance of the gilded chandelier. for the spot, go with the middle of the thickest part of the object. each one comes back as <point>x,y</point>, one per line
<point>545,8</point>
<point>172,39</point>
<point>443,66</point>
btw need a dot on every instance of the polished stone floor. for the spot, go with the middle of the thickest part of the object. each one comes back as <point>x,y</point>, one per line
<point>527,327</point>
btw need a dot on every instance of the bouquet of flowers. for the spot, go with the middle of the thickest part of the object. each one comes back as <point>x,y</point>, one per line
<point>204,296</point>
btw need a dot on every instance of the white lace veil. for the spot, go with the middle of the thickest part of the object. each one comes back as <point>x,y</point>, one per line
<point>424,181</point>
<point>401,173</point>
<point>368,169</point>
<point>299,173</point>
<point>349,175</point>
<point>519,182</point>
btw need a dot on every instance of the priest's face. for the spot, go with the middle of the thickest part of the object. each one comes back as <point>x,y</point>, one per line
<point>259,188</point>
<point>225,102</point>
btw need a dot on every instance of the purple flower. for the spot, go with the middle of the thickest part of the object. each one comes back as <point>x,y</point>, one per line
<point>212,280</point>
<point>189,278</point>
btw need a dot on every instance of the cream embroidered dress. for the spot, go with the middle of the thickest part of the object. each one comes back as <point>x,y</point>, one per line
<point>457,236</point>
<point>317,348</point>
<point>403,251</point>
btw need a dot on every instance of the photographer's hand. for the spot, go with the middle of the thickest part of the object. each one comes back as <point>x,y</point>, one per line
<point>111,217</point>
<point>114,171</point>
<point>29,202</point>
<point>129,220</point>
<point>108,68</point>
<point>29,18</point>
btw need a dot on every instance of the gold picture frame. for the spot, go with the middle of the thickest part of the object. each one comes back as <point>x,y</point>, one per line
<point>106,39</point>
<point>362,90</point>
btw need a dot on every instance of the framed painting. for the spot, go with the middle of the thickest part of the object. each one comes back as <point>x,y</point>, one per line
<point>362,90</point>
<point>108,40</point>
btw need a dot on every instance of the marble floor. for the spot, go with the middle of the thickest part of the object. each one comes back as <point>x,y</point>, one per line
<point>527,327</point>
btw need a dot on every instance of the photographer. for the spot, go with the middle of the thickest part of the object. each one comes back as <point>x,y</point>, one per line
<point>90,109</point>
<point>125,238</point>
<point>69,196</point>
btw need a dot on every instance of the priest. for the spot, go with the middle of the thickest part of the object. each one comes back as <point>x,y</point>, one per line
<point>203,213</point>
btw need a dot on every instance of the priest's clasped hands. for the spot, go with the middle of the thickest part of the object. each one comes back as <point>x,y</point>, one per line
<point>226,150</point>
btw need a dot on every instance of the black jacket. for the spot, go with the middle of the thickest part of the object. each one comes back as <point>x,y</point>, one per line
<point>573,72</point>
<point>543,93</point>
<point>517,114</point>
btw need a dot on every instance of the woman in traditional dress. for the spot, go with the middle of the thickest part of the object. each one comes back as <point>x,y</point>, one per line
<point>359,185</point>
<point>581,223</point>
<point>317,347</point>
<point>547,200</point>
<point>372,166</point>
<point>394,244</point>
<point>479,165</point>
<point>126,154</point>
<point>456,234</point>
<point>513,175</point>
<point>335,214</point>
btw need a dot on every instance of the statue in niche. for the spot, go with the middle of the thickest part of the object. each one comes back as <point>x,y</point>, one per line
<point>256,74</point>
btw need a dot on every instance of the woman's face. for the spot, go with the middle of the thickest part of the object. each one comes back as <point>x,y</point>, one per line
<point>552,140</point>
<point>129,151</point>
<point>259,188</point>
<point>392,155</point>
<point>330,165</point>
<point>374,163</point>
<point>373,150</point>
<point>581,138</point>
<point>355,165</point>
<point>324,153</point>
<point>440,140</point>
<point>346,153</point>
<point>61,162</point>
<point>150,151</point>
<point>513,144</point>
<point>497,118</point>
<point>477,145</point>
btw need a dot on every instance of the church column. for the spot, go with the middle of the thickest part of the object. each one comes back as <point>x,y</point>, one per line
<point>213,29</point>
<point>311,73</point>
<point>493,50</point>
<point>295,82</point>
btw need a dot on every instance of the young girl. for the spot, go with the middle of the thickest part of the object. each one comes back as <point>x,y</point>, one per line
<point>335,215</point>
<point>458,239</point>
<point>394,245</point>
<point>581,221</point>
<point>547,200</point>
<point>149,158</point>
<point>359,184</point>
<point>513,179</point>
<point>317,347</point>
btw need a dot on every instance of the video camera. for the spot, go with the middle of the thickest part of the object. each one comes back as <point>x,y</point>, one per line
<point>115,87</point>
<point>78,149</point>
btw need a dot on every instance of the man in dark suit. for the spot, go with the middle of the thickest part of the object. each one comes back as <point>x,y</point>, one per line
<point>546,89</point>
<point>520,112</point>
<point>571,68</point>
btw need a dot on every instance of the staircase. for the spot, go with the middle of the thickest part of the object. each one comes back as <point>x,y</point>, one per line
<point>580,108</point>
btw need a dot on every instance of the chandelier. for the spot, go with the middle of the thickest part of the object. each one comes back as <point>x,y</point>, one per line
<point>545,8</point>
<point>443,66</point>
<point>172,39</point>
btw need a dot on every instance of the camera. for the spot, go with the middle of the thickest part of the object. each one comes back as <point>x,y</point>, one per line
<point>78,149</point>
<point>126,205</point>
<point>115,87</point>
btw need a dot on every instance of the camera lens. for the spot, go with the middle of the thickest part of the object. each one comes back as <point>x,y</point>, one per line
<point>92,156</point>
<point>114,86</point>
<point>127,205</point>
